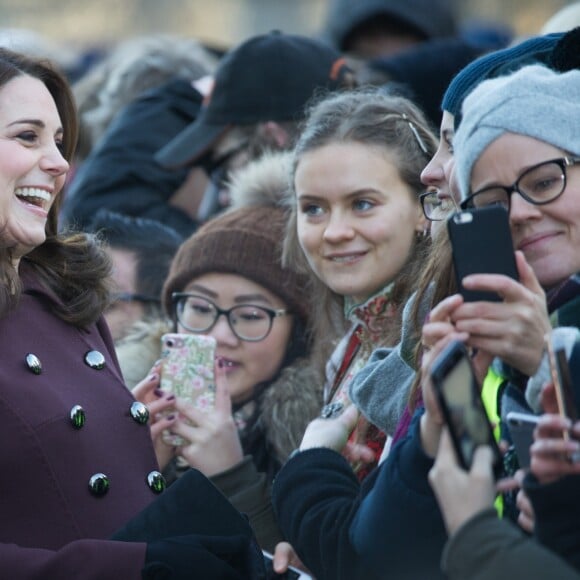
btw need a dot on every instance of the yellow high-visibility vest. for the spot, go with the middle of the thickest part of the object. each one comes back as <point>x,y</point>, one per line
<point>489,395</point>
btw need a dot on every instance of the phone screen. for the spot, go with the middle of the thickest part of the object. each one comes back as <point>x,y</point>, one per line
<point>465,410</point>
<point>461,404</point>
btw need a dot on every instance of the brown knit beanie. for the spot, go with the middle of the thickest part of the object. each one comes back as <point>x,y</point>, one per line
<point>247,242</point>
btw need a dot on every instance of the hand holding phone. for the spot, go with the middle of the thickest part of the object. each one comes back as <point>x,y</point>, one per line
<point>187,370</point>
<point>290,574</point>
<point>481,242</point>
<point>460,401</point>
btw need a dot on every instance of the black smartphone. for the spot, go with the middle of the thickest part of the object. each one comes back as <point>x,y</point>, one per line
<point>481,242</point>
<point>521,427</point>
<point>460,401</point>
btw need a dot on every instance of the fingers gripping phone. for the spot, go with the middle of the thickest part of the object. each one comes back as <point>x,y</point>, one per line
<point>460,401</point>
<point>291,574</point>
<point>187,370</point>
<point>481,242</point>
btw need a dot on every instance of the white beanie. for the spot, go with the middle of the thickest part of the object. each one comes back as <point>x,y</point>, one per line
<point>534,101</point>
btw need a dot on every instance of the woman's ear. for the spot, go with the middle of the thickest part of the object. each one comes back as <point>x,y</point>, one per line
<point>422,226</point>
<point>274,134</point>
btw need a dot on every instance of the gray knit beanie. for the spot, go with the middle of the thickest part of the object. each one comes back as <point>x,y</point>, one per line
<point>534,101</point>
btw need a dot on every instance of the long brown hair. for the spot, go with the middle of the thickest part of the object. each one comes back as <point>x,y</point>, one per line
<point>71,268</point>
<point>437,279</point>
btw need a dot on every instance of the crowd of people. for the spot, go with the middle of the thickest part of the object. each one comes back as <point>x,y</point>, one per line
<point>290,199</point>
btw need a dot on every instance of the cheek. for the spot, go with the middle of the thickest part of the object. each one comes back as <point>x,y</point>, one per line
<point>270,354</point>
<point>306,236</point>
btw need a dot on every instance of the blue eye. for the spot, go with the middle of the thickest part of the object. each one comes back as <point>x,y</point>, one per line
<point>363,204</point>
<point>312,210</point>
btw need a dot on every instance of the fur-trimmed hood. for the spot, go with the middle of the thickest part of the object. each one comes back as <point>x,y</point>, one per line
<point>264,182</point>
<point>288,404</point>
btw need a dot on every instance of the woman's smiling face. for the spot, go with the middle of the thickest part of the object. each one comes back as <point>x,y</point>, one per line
<point>357,219</point>
<point>548,235</point>
<point>32,168</point>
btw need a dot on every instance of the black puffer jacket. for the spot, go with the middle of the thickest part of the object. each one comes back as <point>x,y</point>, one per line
<point>121,175</point>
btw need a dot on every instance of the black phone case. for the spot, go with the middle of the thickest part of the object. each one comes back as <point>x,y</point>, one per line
<point>449,358</point>
<point>482,243</point>
<point>521,430</point>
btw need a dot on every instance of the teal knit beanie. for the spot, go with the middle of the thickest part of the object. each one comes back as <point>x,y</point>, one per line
<point>495,64</point>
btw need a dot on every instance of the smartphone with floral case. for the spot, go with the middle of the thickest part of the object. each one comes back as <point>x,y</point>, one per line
<point>187,370</point>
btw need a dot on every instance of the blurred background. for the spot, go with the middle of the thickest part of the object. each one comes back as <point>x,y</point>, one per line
<point>82,23</point>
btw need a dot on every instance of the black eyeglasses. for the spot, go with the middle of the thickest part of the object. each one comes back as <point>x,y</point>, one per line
<point>538,185</point>
<point>247,321</point>
<point>437,208</point>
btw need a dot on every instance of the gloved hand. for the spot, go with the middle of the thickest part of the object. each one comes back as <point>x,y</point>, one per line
<point>207,557</point>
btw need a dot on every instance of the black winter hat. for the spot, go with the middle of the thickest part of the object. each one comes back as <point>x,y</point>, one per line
<point>423,72</point>
<point>429,18</point>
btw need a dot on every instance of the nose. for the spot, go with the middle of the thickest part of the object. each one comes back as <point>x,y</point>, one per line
<point>338,228</point>
<point>223,332</point>
<point>522,211</point>
<point>53,162</point>
<point>433,174</point>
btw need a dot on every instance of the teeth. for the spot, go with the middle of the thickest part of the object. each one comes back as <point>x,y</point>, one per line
<point>33,192</point>
<point>345,258</point>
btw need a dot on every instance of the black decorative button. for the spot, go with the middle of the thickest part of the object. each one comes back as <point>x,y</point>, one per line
<point>77,417</point>
<point>156,482</point>
<point>95,360</point>
<point>99,484</point>
<point>33,363</point>
<point>139,413</point>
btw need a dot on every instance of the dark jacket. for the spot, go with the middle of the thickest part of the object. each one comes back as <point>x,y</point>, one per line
<point>316,495</point>
<point>52,526</point>
<point>121,175</point>
<point>557,513</point>
<point>487,548</point>
<point>343,530</point>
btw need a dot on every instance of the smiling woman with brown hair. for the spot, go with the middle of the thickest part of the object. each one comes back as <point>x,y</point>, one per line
<point>77,458</point>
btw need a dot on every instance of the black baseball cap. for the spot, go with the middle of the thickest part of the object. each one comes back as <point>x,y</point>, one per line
<point>269,77</point>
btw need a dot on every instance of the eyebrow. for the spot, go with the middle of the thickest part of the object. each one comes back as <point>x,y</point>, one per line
<point>36,122</point>
<point>351,195</point>
<point>239,299</point>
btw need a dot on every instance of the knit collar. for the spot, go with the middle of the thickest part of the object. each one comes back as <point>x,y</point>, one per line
<point>374,312</point>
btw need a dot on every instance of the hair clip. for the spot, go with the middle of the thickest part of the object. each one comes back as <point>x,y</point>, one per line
<point>416,133</point>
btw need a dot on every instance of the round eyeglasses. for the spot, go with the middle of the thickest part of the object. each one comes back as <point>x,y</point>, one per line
<point>247,321</point>
<point>436,207</point>
<point>538,185</point>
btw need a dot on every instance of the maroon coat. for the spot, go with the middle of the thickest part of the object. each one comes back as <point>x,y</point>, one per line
<point>51,524</point>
